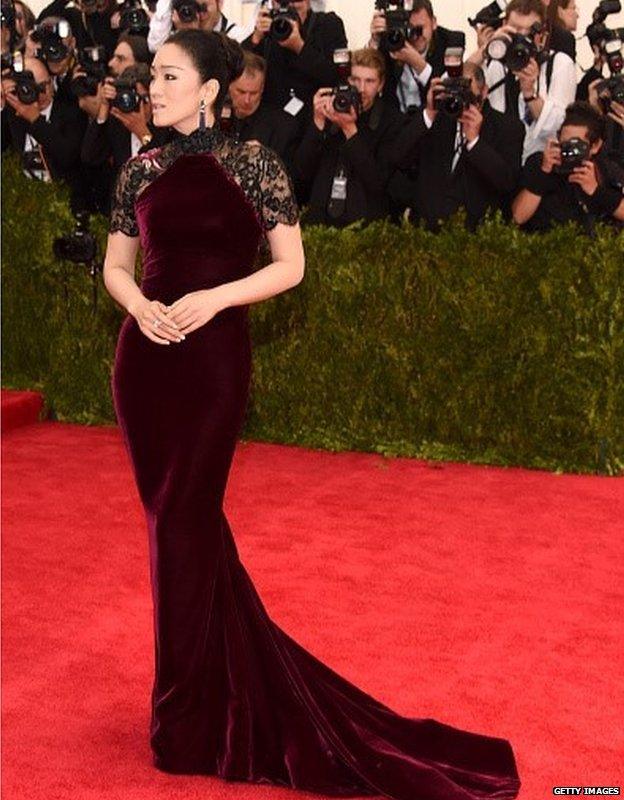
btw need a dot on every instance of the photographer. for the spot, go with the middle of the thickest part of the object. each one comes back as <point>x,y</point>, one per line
<point>251,119</point>
<point>562,19</point>
<point>298,45</point>
<point>346,153</point>
<point>572,180</point>
<point>46,131</point>
<point>601,93</point>
<point>526,80</point>
<point>464,153</point>
<point>56,47</point>
<point>89,20</point>
<point>411,67</point>
<point>207,15</point>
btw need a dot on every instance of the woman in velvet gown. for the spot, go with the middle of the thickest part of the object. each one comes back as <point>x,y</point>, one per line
<point>234,695</point>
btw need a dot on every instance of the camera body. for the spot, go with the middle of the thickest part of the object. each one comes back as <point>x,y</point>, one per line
<point>398,28</point>
<point>492,16</point>
<point>49,38</point>
<point>27,89</point>
<point>345,96</point>
<point>454,96</point>
<point>93,61</point>
<point>127,98</point>
<point>609,91</point>
<point>188,10</point>
<point>80,246</point>
<point>133,18</point>
<point>282,20</point>
<point>513,51</point>
<point>573,152</point>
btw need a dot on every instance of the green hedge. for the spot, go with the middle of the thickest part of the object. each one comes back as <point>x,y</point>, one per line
<point>495,347</point>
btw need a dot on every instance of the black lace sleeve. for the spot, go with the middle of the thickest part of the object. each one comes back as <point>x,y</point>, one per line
<point>278,202</point>
<point>122,216</point>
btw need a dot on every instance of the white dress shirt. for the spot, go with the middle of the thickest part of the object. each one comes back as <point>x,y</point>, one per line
<point>161,26</point>
<point>408,90</point>
<point>557,97</point>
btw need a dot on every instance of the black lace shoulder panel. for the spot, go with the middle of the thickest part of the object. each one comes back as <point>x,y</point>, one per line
<point>132,177</point>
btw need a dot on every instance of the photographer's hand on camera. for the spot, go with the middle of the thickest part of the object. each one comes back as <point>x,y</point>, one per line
<point>28,111</point>
<point>262,27</point>
<point>136,121</point>
<point>551,157</point>
<point>408,54</point>
<point>295,41</point>
<point>377,27</point>
<point>320,102</point>
<point>586,177</point>
<point>471,122</point>
<point>435,87</point>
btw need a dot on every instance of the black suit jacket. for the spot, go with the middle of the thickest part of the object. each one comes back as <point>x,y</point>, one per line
<point>562,41</point>
<point>60,138</point>
<point>111,142</point>
<point>270,126</point>
<point>365,158</point>
<point>307,71</point>
<point>485,176</point>
<point>442,39</point>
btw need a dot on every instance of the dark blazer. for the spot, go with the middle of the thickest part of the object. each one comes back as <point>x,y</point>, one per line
<point>111,142</point>
<point>270,126</point>
<point>96,31</point>
<point>442,39</point>
<point>366,161</point>
<point>307,71</point>
<point>485,176</point>
<point>60,138</point>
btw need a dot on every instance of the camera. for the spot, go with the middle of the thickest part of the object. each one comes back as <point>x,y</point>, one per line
<point>346,97</point>
<point>80,246</point>
<point>573,152</point>
<point>27,89</point>
<point>515,50</point>
<point>134,18</point>
<point>282,19</point>
<point>454,95</point>
<point>127,98</point>
<point>597,31</point>
<point>610,91</point>
<point>93,61</point>
<point>49,38</point>
<point>491,16</point>
<point>398,28</point>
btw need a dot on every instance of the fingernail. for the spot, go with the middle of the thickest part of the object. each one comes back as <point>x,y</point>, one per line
<point>181,338</point>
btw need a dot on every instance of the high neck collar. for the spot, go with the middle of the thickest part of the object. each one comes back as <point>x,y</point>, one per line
<point>199,140</point>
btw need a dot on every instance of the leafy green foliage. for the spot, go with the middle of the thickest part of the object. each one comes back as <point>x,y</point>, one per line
<point>495,347</point>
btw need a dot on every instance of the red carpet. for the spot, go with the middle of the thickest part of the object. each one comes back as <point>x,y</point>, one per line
<point>20,408</point>
<point>490,599</point>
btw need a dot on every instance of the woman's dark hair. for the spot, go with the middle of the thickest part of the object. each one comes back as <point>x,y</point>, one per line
<point>138,45</point>
<point>552,12</point>
<point>214,55</point>
<point>29,17</point>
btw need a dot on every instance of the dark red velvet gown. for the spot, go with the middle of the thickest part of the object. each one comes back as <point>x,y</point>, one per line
<point>234,695</point>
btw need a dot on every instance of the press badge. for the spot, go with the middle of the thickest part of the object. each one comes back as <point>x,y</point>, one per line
<point>294,105</point>
<point>339,187</point>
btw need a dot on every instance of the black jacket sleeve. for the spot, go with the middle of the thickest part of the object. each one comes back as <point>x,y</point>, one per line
<point>61,137</point>
<point>307,156</point>
<point>96,146</point>
<point>500,161</point>
<point>407,144</point>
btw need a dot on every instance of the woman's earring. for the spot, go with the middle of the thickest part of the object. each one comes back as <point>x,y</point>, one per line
<point>202,115</point>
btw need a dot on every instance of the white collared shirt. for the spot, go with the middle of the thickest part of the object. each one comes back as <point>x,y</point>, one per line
<point>30,143</point>
<point>161,26</point>
<point>557,97</point>
<point>408,90</point>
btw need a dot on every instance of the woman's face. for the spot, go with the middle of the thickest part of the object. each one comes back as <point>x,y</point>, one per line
<point>569,16</point>
<point>176,90</point>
